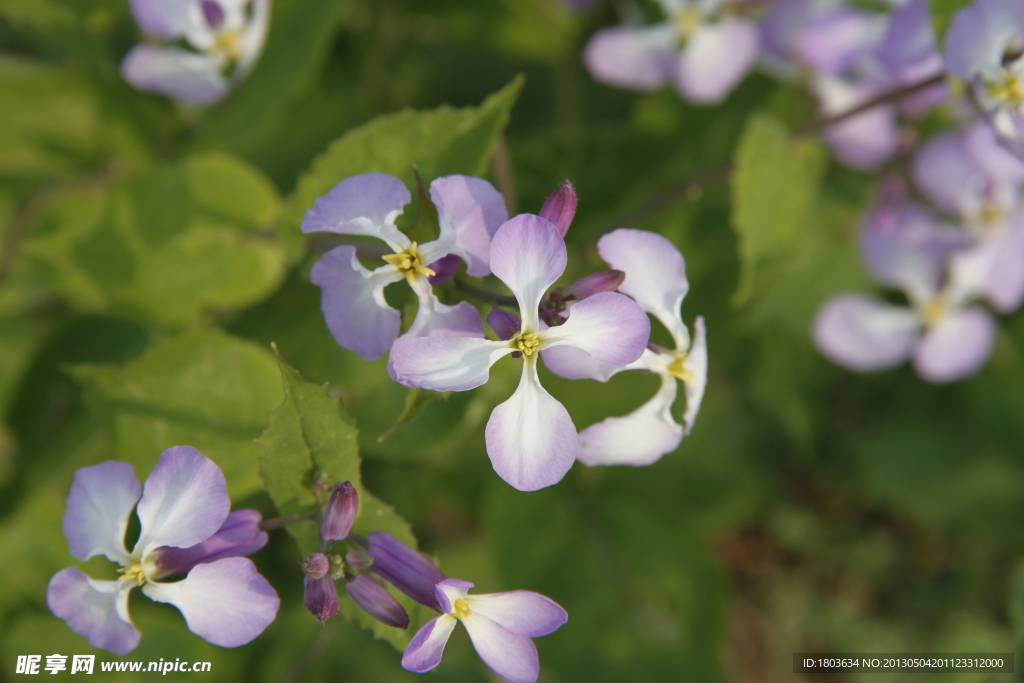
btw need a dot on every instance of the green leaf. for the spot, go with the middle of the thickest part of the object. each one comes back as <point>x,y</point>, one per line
<point>203,389</point>
<point>942,15</point>
<point>774,188</point>
<point>416,401</point>
<point>312,438</point>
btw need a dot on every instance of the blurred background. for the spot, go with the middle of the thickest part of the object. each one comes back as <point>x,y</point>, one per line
<point>151,254</point>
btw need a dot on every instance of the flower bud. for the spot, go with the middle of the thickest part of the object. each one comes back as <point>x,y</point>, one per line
<point>506,325</point>
<point>359,560</point>
<point>316,565</point>
<point>341,512</point>
<point>560,207</point>
<point>377,602</point>
<point>404,568</point>
<point>321,597</point>
<point>238,536</point>
<point>444,268</point>
<point>595,283</point>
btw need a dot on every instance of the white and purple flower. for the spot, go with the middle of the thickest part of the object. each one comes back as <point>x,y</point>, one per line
<point>186,526</point>
<point>499,624</point>
<point>224,38</point>
<point>531,440</point>
<point>469,211</point>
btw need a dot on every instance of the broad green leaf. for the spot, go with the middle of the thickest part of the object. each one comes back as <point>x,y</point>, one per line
<point>203,389</point>
<point>311,439</point>
<point>774,188</point>
<point>943,12</point>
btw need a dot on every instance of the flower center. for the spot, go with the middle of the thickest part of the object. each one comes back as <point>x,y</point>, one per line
<point>687,22</point>
<point>1009,90</point>
<point>133,572</point>
<point>678,369</point>
<point>527,343</point>
<point>228,43</point>
<point>935,311</point>
<point>409,262</point>
<point>461,608</point>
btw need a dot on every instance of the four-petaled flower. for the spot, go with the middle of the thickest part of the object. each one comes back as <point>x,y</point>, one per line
<point>185,527</point>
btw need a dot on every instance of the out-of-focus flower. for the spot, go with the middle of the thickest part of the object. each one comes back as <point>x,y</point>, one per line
<point>499,624</point>
<point>183,511</point>
<point>210,45</point>
<point>469,211</point>
<point>703,49</point>
<point>531,440</point>
<point>656,279</point>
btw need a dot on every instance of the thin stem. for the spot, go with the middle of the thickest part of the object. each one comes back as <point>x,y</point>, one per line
<point>281,522</point>
<point>486,294</point>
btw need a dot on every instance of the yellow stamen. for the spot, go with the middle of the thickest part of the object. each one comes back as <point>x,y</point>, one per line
<point>990,213</point>
<point>679,370</point>
<point>687,22</point>
<point>409,262</point>
<point>935,311</point>
<point>462,608</point>
<point>527,343</point>
<point>1009,90</point>
<point>133,573</point>
<point>229,43</point>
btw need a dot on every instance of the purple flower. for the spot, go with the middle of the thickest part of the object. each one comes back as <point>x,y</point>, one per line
<point>224,39</point>
<point>717,51</point>
<point>183,510</point>
<point>340,513</point>
<point>469,210</point>
<point>377,602</point>
<point>320,596</point>
<point>656,280</point>
<point>531,439</point>
<point>499,624</point>
<point>909,54</point>
<point>404,568</point>
<point>560,207</point>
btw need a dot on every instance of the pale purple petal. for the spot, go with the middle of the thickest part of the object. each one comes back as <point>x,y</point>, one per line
<point>353,302</point>
<point>450,590</point>
<point>470,211</point>
<point>993,268</point>
<point>167,19</point>
<point>522,612</point>
<point>573,363</point>
<point>980,33</point>
<point>836,41</point>
<point>366,204</point>
<point>947,175</point>
<point>510,655</point>
<point>715,59</point>
<point>226,602</point>
<point>444,269</point>
<point>184,500</point>
<point>528,255</point>
<point>440,364</point>
<point>909,38</point>
<point>1002,169</point>
<point>865,334</point>
<point>425,650</point>
<point>632,57</point>
<point>696,365</point>
<point>782,25</point>
<point>655,275</point>
<point>102,498</point>
<point>434,319</point>
<point>192,77</point>
<point>97,610</point>
<point>639,438</point>
<point>531,439</point>
<point>608,326</point>
<point>239,535</point>
<point>957,347</point>
<point>865,141</point>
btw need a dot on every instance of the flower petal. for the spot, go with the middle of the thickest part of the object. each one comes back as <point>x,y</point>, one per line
<point>425,650</point>
<point>404,568</point>
<point>226,602</point>
<point>510,655</point>
<point>979,35</point>
<point>865,334</point>
<point>506,325</point>
<point>632,57</point>
<point>441,364</point>
<point>102,498</point>
<point>531,439</point>
<point>184,501</point>
<point>716,59</point>
<point>838,40</point>
<point>254,37</point>
<point>957,346</point>
<point>450,590</point>
<point>697,366</point>
<point>167,19</point>
<point>470,211</point>
<point>528,255</point>
<point>435,319</point>
<point>608,326</point>
<point>353,302</point>
<point>239,535</point>
<point>522,612</point>
<point>573,363</point>
<point>366,204</point>
<point>97,610</point>
<point>865,141</point>
<point>188,76</point>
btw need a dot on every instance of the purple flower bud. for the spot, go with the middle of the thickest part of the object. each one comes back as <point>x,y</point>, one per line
<point>239,535</point>
<point>316,565</point>
<point>560,207</point>
<point>359,560</point>
<point>213,13</point>
<point>406,569</point>
<point>341,512</point>
<point>377,602</point>
<point>321,597</point>
<point>444,268</point>
<point>595,283</point>
<point>506,325</point>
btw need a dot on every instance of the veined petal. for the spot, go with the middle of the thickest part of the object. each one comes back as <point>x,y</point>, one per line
<point>226,602</point>
<point>573,363</point>
<point>425,650</point>
<point>655,275</point>
<point>441,364</point>
<point>239,535</point>
<point>353,302</point>
<point>192,77</point>
<point>522,612</point>
<point>632,57</point>
<point>184,501</point>
<point>167,19</point>
<point>696,366</point>
<point>608,326</point>
<point>865,334</point>
<point>528,255</point>
<point>639,438</point>
<point>470,211</point>
<point>510,655</point>
<point>957,346</point>
<point>716,59</point>
<point>531,439</point>
<point>435,319</point>
<point>102,498</point>
<point>97,610</point>
<point>366,204</point>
